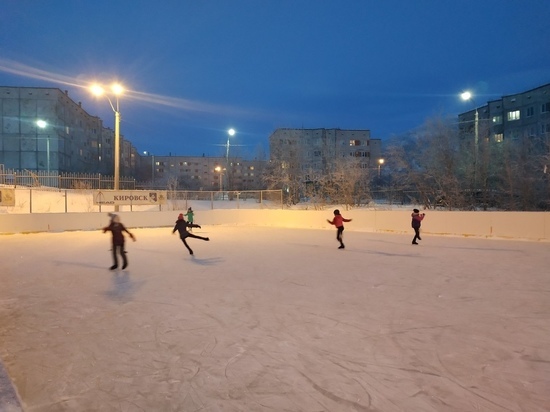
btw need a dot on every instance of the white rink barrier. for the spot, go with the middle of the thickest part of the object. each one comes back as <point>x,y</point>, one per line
<point>534,226</point>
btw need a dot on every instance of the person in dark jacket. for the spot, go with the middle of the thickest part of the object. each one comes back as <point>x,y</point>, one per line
<point>338,221</point>
<point>117,229</point>
<point>417,218</point>
<point>181,226</point>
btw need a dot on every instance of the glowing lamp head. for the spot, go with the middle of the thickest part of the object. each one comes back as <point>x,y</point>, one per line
<point>231,132</point>
<point>117,89</point>
<point>466,95</point>
<point>41,123</point>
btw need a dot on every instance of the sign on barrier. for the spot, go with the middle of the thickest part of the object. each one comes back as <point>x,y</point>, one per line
<point>7,197</point>
<point>130,197</point>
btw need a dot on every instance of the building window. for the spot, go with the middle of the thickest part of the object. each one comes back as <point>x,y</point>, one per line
<point>513,115</point>
<point>530,111</point>
<point>545,108</point>
<point>355,142</point>
<point>499,137</point>
<point>497,119</point>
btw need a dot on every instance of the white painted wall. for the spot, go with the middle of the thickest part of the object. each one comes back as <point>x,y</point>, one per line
<point>508,225</point>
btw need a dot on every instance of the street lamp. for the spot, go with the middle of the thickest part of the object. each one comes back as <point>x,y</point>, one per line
<point>380,163</point>
<point>117,90</point>
<point>467,96</point>
<point>42,124</point>
<point>146,153</point>
<point>230,133</point>
<point>219,170</point>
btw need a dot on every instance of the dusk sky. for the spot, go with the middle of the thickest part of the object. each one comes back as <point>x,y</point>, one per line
<point>194,69</point>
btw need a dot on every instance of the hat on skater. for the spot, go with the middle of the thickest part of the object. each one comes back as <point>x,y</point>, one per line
<point>180,216</point>
<point>416,211</point>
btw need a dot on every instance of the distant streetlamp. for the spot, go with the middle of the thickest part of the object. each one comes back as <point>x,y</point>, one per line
<point>117,90</point>
<point>219,170</point>
<point>42,125</point>
<point>146,153</point>
<point>230,133</point>
<point>467,96</point>
<point>380,163</point>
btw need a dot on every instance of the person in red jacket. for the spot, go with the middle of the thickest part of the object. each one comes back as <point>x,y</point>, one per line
<point>338,221</point>
<point>417,218</point>
<point>117,230</point>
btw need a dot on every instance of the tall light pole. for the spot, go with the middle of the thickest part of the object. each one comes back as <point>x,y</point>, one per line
<point>117,90</point>
<point>380,163</point>
<point>42,124</point>
<point>467,96</point>
<point>146,153</point>
<point>219,170</point>
<point>230,133</point>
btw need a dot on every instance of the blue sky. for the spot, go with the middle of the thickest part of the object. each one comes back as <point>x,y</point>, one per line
<point>196,68</point>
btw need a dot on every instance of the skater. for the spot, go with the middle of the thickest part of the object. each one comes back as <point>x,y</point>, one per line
<point>338,221</point>
<point>117,230</point>
<point>190,215</point>
<point>417,218</point>
<point>181,226</point>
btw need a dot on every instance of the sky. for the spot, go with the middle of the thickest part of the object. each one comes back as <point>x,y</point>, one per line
<point>194,69</point>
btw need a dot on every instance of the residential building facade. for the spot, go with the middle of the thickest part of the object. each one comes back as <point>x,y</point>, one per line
<point>315,149</point>
<point>523,116</point>
<point>44,130</point>
<point>204,173</point>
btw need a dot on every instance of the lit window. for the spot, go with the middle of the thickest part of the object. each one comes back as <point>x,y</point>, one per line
<point>514,115</point>
<point>498,137</point>
<point>497,119</point>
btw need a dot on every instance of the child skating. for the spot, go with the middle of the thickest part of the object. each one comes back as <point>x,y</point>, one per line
<point>417,218</point>
<point>181,226</point>
<point>117,229</point>
<point>338,221</point>
<point>190,215</point>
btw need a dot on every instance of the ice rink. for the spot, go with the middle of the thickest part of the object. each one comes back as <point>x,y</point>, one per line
<point>268,319</point>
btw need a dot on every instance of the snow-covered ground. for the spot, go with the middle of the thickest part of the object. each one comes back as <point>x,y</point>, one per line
<point>271,319</point>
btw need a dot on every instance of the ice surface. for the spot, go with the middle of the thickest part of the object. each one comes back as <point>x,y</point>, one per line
<point>269,319</point>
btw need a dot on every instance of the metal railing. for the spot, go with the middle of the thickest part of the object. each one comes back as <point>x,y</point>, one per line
<point>40,179</point>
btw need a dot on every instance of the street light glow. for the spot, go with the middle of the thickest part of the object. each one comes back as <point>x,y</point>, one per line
<point>231,132</point>
<point>466,95</point>
<point>117,89</point>
<point>97,89</point>
<point>41,123</point>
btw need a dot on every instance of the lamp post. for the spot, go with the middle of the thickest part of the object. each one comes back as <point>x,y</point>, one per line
<point>42,124</point>
<point>219,170</point>
<point>230,133</point>
<point>146,153</point>
<point>380,163</point>
<point>467,96</point>
<point>117,90</point>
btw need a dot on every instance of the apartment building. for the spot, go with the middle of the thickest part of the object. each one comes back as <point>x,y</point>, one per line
<point>521,117</point>
<point>316,149</point>
<point>204,173</point>
<point>44,130</point>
